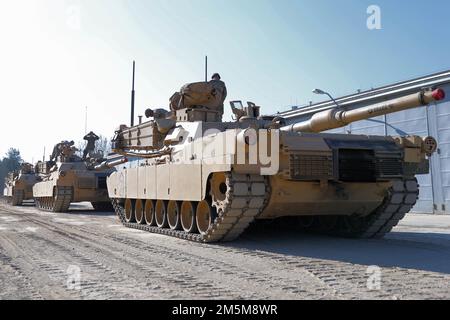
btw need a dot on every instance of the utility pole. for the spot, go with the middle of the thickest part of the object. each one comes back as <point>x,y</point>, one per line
<point>132,96</point>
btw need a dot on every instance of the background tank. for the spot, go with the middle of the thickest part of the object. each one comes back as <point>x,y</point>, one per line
<point>68,178</point>
<point>193,176</point>
<point>19,184</point>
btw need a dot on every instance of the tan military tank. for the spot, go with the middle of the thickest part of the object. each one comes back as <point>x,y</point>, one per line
<point>192,176</point>
<point>68,178</point>
<point>19,184</point>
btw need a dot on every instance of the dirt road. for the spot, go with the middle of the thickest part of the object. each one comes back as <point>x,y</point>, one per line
<point>86,255</point>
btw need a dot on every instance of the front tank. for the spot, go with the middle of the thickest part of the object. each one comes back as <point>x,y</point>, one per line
<point>192,176</point>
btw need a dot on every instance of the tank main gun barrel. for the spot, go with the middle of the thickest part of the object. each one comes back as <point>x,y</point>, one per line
<point>337,117</point>
<point>110,164</point>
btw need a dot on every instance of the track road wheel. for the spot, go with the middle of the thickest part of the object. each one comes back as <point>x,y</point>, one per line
<point>161,214</point>
<point>173,215</point>
<point>129,211</point>
<point>219,188</point>
<point>53,206</point>
<point>306,222</point>
<point>188,222</point>
<point>205,215</point>
<point>149,213</point>
<point>139,212</point>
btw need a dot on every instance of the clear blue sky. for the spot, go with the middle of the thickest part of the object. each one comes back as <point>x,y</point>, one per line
<point>270,52</point>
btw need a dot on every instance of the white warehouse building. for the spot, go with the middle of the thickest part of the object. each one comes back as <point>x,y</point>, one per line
<point>433,120</point>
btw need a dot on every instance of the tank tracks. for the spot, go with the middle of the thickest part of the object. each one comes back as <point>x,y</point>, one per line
<point>17,198</point>
<point>400,199</point>
<point>60,202</point>
<point>102,206</point>
<point>402,196</point>
<point>246,197</point>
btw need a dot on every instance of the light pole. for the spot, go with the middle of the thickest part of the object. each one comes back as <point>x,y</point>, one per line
<point>319,91</point>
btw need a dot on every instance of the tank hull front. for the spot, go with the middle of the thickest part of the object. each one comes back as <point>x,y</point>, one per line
<point>85,186</point>
<point>303,198</point>
<point>22,188</point>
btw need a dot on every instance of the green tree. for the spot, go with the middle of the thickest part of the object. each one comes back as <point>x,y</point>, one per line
<point>10,162</point>
<point>12,159</point>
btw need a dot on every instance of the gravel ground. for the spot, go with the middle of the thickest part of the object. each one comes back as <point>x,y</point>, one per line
<point>87,255</point>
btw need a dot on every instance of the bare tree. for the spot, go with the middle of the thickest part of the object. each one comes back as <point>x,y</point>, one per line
<point>102,144</point>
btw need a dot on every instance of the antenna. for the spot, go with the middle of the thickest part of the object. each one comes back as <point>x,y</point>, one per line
<point>132,96</point>
<point>206,68</point>
<point>86,120</point>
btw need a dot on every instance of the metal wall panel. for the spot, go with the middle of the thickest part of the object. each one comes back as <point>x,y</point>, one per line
<point>373,126</point>
<point>442,111</point>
